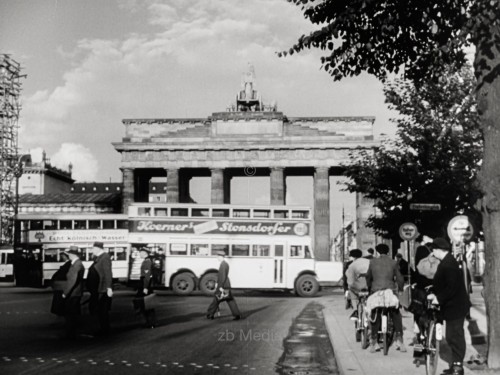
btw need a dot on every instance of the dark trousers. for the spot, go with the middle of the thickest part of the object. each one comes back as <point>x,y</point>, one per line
<point>394,314</point>
<point>455,337</point>
<point>99,306</point>
<point>71,315</point>
<point>212,309</point>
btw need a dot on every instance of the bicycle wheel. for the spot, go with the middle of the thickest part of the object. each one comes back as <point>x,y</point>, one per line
<point>359,323</point>
<point>388,332</point>
<point>432,349</point>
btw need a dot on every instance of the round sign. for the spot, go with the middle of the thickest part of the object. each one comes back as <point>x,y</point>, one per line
<point>408,231</point>
<point>460,229</point>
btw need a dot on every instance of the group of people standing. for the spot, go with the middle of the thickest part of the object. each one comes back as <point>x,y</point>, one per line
<point>69,285</point>
<point>434,265</point>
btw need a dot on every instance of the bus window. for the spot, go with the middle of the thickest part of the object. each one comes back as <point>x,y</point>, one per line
<point>49,224</point>
<point>65,224</point>
<point>300,214</point>
<point>121,253</point>
<point>161,211</point>
<point>260,250</point>
<point>179,212</point>
<point>308,253</point>
<point>178,249</point>
<point>144,211</point>
<point>220,212</point>
<point>36,225</point>
<point>80,224</point>
<point>200,212</point>
<point>216,248</point>
<point>94,224</point>
<point>200,249</point>
<point>296,251</point>
<point>25,224</point>
<point>241,213</point>
<point>280,214</point>
<point>108,224</point>
<point>241,250</point>
<point>50,255</point>
<point>278,250</point>
<point>121,224</point>
<point>261,213</point>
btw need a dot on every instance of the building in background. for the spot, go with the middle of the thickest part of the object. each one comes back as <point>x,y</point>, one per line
<point>43,178</point>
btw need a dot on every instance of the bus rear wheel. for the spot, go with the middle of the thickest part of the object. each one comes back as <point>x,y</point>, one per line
<point>183,284</point>
<point>207,284</point>
<point>306,286</point>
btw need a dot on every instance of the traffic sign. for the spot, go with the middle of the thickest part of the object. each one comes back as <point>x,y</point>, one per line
<point>408,231</point>
<point>425,206</point>
<point>460,229</point>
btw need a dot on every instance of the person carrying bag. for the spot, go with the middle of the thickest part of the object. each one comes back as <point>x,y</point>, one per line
<point>145,300</point>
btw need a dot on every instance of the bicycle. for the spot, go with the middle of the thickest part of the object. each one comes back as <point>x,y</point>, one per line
<point>361,325</point>
<point>430,337</point>
<point>386,332</point>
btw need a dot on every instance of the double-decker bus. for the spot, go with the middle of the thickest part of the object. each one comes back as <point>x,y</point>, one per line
<point>45,236</point>
<point>267,247</point>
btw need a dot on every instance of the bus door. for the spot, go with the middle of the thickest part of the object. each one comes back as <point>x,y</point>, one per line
<point>279,266</point>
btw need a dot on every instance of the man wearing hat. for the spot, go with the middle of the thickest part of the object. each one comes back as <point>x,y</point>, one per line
<point>451,294</point>
<point>99,284</point>
<point>223,290</point>
<point>145,287</point>
<point>72,290</point>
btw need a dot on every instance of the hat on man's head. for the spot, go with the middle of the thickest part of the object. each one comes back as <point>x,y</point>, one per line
<point>355,253</point>
<point>73,250</point>
<point>440,243</point>
<point>99,244</point>
<point>220,253</point>
<point>145,250</point>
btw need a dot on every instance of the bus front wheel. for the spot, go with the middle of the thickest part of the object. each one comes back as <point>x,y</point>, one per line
<point>207,284</point>
<point>183,284</point>
<point>307,286</point>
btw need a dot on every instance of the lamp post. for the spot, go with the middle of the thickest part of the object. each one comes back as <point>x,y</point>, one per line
<point>18,172</point>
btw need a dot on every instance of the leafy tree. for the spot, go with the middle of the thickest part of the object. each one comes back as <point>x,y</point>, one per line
<point>434,158</point>
<point>421,37</point>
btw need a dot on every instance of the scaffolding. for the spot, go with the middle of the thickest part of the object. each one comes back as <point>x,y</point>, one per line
<point>10,89</point>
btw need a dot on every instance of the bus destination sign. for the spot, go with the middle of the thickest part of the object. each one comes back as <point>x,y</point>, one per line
<point>220,227</point>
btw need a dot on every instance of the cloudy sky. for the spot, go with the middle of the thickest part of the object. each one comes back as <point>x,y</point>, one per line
<point>92,63</point>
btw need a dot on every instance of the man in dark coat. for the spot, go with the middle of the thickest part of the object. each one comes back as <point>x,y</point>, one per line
<point>99,284</point>
<point>72,291</point>
<point>223,290</point>
<point>145,287</point>
<point>383,273</point>
<point>451,294</point>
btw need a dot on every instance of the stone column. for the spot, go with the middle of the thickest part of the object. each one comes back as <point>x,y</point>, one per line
<point>278,188</point>
<point>322,214</point>
<point>127,188</point>
<point>172,185</point>
<point>217,192</point>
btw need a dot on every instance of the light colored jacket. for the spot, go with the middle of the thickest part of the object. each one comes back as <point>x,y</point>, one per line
<point>356,274</point>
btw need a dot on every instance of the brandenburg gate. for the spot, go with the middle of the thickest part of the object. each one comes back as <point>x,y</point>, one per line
<point>249,134</point>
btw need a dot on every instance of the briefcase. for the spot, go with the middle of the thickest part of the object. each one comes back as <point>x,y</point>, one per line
<point>150,301</point>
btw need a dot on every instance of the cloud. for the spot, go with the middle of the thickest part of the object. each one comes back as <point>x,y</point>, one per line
<point>186,61</point>
<point>85,165</point>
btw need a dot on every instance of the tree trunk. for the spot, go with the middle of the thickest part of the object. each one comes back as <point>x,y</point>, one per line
<point>488,95</point>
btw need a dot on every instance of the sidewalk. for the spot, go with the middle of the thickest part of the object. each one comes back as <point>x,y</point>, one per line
<point>351,359</point>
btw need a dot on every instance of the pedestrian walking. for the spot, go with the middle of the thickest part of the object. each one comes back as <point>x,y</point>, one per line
<point>223,290</point>
<point>99,284</point>
<point>58,282</point>
<point>72,291</point>
<point>451,294</point>
<point>145,289</point>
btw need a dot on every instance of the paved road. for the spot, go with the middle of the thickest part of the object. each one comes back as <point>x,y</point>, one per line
<point>184,343</point>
